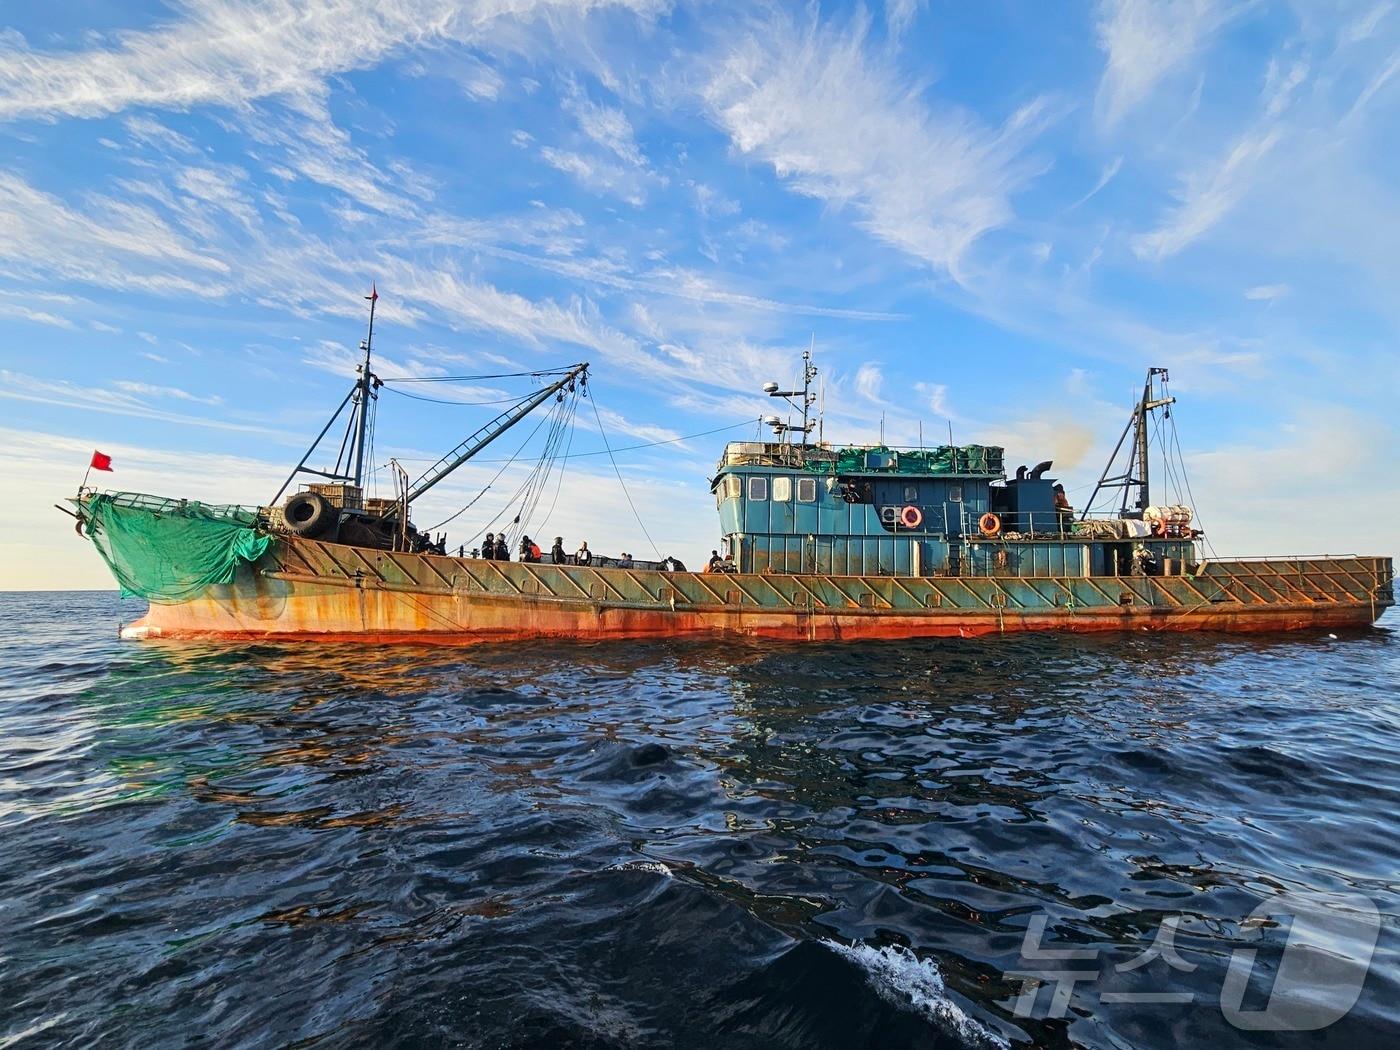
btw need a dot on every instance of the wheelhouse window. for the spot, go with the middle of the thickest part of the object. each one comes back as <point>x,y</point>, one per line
<point>782,490</point>
<point>758,489</point>
<point>911,493</point>
<point>955,493</point>
<point>733,486</point>
<point>806,490</point>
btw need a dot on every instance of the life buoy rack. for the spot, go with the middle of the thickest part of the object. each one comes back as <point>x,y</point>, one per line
<point>911,517</point>
<point>990,524</point>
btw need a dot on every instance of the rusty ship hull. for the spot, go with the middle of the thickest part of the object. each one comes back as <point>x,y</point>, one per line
<point>304,589</point>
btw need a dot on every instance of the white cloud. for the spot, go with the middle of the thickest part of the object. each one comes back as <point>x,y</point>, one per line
<point>607,158</point>
<point>1266,292</point>
<point>836,123</point>
<point>1365,26</point>
<point>25,313</point>
<point>41,235</point>
<point>130,386</point>
<point>900,15</point>
<point>117,400</point>
<point>233,52</point>
<point>1144,41</point>
<point>609,128</point>
<point>1246,511</point>
<point>1105,177</point>
<point>869,380</point>
<point>1205,197</point>
<point>600,176</point>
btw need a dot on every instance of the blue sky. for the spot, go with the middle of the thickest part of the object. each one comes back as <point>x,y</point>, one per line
<point>991,215</point>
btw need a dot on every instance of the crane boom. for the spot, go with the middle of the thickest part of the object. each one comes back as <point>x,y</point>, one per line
<point>490,432</point>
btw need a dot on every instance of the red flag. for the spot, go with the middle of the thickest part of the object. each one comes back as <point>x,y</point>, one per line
<point>373,293</point>
<point>101,461</point>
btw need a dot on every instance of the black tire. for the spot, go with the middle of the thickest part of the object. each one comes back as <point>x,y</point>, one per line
<point>308,514</point>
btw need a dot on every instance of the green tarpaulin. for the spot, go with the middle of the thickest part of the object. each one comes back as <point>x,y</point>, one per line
<point>168,551</point>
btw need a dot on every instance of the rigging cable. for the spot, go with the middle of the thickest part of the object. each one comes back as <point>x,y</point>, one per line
<point>345,441</point>
<point>538,373</point>
<point>520,493</point>
<point>621,448</point>
<point>449,401</point>
<point>495,476</point>
<point>657,550</point>
<point>553,418</point>
<point>539,479</point>
<point>558,488</point>
<point>1176,441</point>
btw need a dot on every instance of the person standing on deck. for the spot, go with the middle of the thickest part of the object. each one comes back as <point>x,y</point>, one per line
<point>502,551</point>
<point>556,553</point>
<point>584,556</point>
<point>488,546</point>
<point>1062,508</point>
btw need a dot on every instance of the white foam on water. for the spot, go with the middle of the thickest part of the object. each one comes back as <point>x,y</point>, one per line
<point>653,866</point>
<point>900,977</point>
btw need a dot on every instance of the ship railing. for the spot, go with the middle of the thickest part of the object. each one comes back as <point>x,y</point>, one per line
<point>172,505</point>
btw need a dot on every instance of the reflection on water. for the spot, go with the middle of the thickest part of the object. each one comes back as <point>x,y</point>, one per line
<point>694,844</point>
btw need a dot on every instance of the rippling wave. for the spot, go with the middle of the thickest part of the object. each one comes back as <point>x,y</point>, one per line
<point>691,844</point>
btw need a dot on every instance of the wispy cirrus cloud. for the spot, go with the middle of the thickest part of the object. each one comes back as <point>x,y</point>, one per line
<point>234,52</point>
<point>1143,42</point>
<point>605,158</point>
<point>838,123</point>
<point>1206,196</point>
<point>99,242</point>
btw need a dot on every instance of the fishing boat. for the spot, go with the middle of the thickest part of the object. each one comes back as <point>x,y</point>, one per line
<point>820,541</point>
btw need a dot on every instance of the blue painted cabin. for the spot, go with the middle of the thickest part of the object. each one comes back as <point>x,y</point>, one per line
<point>876,511</point>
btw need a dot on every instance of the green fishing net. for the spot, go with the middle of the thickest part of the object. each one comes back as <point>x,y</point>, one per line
<point>168,551</point>
<point>941,459</point>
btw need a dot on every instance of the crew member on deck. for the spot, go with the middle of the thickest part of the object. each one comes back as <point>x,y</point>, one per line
<point>529,551</point>
<point>584,556</point>
<point>502,551</point>
<point>715,562</point>
<point>556,553</point>
<point>1062,507</point>
<point>488,546</point>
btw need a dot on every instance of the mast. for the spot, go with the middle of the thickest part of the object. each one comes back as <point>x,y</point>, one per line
<point>1140,442</point>
<point>365,392</point>
<point>1135,472</point>
<point>809,373</point>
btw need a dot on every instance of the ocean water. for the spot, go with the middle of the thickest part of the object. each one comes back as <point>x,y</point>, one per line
<point>707,845</point>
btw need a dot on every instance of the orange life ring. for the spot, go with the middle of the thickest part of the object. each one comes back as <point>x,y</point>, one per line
<point>990,524</point>
<point>911,517</point>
